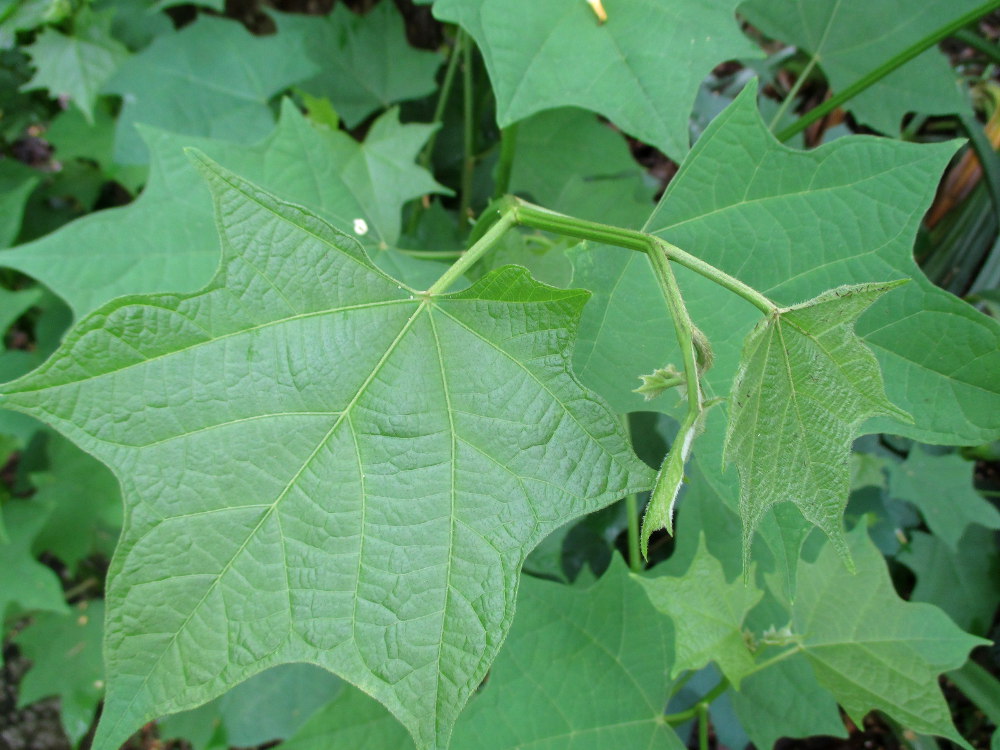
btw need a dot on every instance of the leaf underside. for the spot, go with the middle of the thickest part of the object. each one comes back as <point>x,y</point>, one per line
<point>805,385</point>
<point>321,465</point>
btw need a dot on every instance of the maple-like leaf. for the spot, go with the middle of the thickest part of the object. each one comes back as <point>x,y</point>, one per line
<point>641,69</point>
<point>211,78</point>
<point>707,614</point>
<point>77,66</point>
<point>805,385</point>
<point>322,465</point>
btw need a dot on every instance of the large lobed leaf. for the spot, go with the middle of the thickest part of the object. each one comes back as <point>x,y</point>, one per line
<point>641,69</point>
<point>322,465</point>
<point>805,385</point>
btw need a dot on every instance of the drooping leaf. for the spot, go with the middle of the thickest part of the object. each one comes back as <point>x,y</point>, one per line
<point>25,584</point>
<point>941,487</point>
<point>707,613</point>
<point>360,469</point>
<point>65,654</point>
<point>79,65</point>
<point>212,78</point>
<point>641,69</point>
<point>365,63</point>
<point>85,500</point>
<point>540,692</point>
<point>963,580</point>
<point>805,386</point>
<point>16,184</point>
<point>871,649</point>
<point>166,241</point>
<point>849,39</point>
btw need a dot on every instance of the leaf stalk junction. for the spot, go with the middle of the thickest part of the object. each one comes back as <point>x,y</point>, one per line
<point>510,211</point>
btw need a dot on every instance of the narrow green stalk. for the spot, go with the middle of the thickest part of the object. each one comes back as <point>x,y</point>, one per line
<point>702,726</point>
<point>449,76</point>
<point>632,511</point>
<point>679,685</point>
<point>877,74</point>
<point>508,147</point>
<point>473,254</point>
<point>468,132</point>
<point>550,221</point>
<point>431,254</point>
<point>980,687</point>
<point>792,93</point>
<point>773,660</point>
<point>681,716</point>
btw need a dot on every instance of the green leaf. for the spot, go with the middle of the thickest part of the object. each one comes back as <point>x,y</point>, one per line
<point>850,38</point>
<point>963,580</point>
<point>791,225</point>
<point>25,584</point>
<point>212,78</point>
<point>85,500</point>
<point>360,469</point>
<point>785,700</point>
<point>16,184</point>
<point>166,241</point>
<point>941,487</point>
<point>365,62</point>
<point>569,161</point>
<point>540,693</point>
<point>707,615</point>
<point>77,66</point>
<point>805,386</point>
<point>65,654</point>
<point>641,69</point>
<point>871,649</point>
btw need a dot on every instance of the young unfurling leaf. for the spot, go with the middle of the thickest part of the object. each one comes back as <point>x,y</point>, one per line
<point>805,385</point>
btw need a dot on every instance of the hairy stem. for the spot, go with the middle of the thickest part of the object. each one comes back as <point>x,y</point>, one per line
<point>792,93</point>
<point>446,83</point>
<point>506,220</point>
<point>632,511</point>
<point>681,716</point>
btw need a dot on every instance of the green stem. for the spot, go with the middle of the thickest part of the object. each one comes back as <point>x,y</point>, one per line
<point>980,687</point>
<point>550,221</point>
<point>473,254</point>
<point>508,147</point>
<point>431,254</point>
<point>972,39</point>
<point>681,716</point>
<point>443,94</point>
<point>632,511</point>
<point>702,726</point>
<point>468,132</point>
<point>760,667</point>
<point>894,62</point>
<point>792,93</point>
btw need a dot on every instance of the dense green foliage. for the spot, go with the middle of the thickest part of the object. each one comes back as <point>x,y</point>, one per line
<point>382,431</point>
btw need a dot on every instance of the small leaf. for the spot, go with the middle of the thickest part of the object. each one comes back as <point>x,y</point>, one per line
<point>25,584</point>
<point>805,385</point>
<point>707,614</point>
<point>77,66</point>
<point>65,651</point>
<point>365,61</point>
<point>662,379</point>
